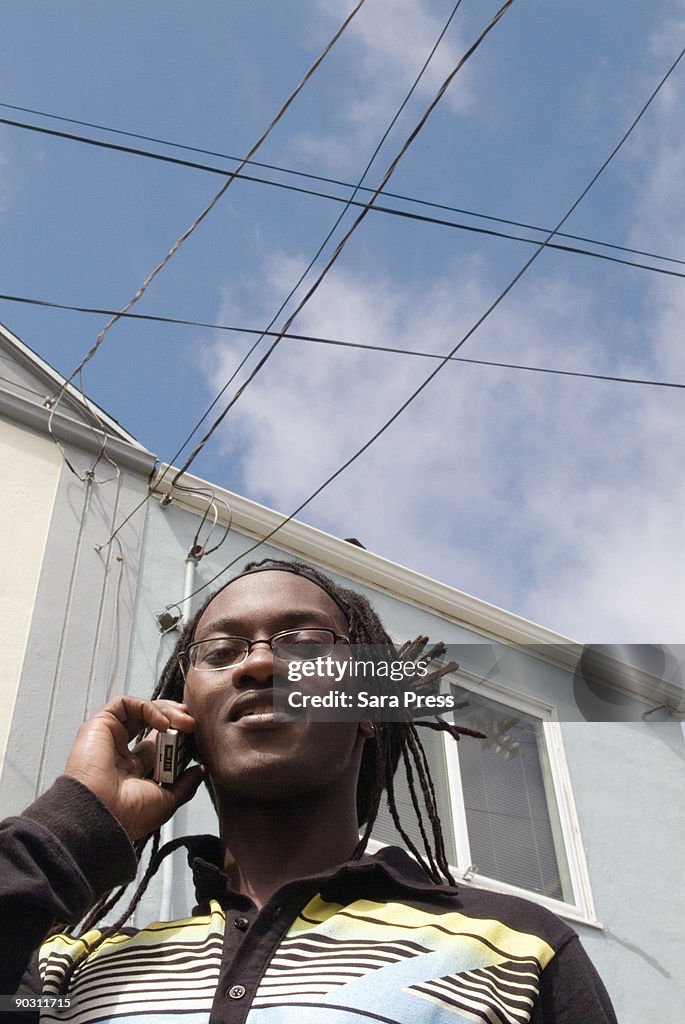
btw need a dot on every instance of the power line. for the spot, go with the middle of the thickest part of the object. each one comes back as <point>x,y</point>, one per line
<point>445,359</point>
<point>78,371</point>
<point>210,206</point>
<point>387,210</point>
<point>348,234</point>
<point>302,277</point>
<point>295,173</point>
<point>348,203</point>
<point>494,20</point>
<point>341,343</point>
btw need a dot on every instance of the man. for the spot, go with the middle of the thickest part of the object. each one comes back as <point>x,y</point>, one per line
<point>294,921</point>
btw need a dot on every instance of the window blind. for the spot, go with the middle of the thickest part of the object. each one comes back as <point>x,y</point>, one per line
<point>509,803</point>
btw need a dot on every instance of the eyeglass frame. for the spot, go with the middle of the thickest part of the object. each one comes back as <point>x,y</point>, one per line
<point>184,655</point>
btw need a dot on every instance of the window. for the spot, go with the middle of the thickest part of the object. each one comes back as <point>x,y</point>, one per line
<point>505,803</point>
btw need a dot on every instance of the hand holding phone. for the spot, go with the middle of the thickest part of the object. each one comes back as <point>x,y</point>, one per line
<point>102,760</point>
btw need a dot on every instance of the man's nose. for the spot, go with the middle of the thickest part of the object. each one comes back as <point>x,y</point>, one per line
<point>257,667</point>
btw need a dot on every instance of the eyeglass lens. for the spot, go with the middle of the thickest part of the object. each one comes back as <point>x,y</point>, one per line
<point>293,645</point>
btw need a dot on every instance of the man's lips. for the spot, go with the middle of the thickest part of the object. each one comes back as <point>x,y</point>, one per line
<point>258,706</point>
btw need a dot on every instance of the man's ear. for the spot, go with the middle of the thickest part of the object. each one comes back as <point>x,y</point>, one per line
<point>367,730</point>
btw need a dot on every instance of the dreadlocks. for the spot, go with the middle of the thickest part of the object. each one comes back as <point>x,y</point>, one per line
<point>391,743</point>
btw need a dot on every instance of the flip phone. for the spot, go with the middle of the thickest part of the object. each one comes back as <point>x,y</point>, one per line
<point>168,757</point>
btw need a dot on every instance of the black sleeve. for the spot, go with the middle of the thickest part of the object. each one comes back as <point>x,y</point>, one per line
<point>56,860</point>
<point>572,992</point>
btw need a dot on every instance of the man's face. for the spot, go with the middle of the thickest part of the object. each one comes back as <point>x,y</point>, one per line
<point>250,754</point>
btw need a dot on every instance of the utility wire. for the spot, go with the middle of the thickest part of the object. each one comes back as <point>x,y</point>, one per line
<point>346,237</point>
<point>348,203</point>
<point>339,248</point>
<point>493,305</point>
<point>335,254</point>
<point>321,248</point>
<point>78,371</point>
<point>198,220</point>
<point>291,171</point>
<point>388,210</point>
<point>315,339</point>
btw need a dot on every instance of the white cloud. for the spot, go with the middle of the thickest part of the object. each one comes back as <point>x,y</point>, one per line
<point>657,170</point>
<point>390,46</point>
<point>556,498</point>
<point>552,497</point>
<point>627,576</point>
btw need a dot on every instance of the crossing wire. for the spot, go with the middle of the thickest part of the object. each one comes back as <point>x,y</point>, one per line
<point>445,359</point>
<point>346,237</point>
<point>210,206</point>
<point>294,173</point>
<point>388,210</point>
<point>347,204</point>
<point>342,343</point>
<point>471,50</point>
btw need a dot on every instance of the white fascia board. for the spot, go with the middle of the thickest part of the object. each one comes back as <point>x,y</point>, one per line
<point>325,550</point>
<point>67,430</point>
<point>255,520</point>
<point>56,382</point>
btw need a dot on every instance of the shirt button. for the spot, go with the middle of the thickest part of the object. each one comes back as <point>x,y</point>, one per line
<point>241,923</point>
<point>236,991</point>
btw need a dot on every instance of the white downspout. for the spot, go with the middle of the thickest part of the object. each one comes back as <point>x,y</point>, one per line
<point>168,830</point>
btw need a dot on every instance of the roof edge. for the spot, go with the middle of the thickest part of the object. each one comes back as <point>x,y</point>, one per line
<point>299,538</point>
<point>363,566</point>
<point>66,430</point>
<point>55,380</point>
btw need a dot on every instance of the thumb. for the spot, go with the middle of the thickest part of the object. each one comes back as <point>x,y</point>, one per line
<point>185,787</point>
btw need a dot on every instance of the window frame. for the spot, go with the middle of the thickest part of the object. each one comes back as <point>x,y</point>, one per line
<point>582,909</point>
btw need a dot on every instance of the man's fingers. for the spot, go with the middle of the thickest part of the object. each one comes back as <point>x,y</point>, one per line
<point>144,754</point>
<point>127,716</point>
<point>173,797</point>
<point>177,715</point>
<point>102,760</point>
<point>185,787</point>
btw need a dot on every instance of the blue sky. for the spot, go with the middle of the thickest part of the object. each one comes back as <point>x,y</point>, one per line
<point>558,498</point>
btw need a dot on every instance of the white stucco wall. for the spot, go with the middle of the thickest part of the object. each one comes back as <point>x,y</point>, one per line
<point>30,466</point>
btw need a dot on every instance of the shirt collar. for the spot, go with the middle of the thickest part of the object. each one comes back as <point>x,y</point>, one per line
<point>389,870</point>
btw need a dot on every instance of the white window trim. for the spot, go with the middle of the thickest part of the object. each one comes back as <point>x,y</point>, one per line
<point>583,909</point>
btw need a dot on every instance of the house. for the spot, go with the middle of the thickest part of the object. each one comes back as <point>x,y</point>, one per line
<point>575,799</point>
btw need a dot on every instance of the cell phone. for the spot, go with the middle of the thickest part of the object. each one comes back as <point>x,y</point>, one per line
<point>168,761</point>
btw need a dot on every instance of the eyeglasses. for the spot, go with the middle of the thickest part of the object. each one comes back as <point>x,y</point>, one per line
<point>224,652</point>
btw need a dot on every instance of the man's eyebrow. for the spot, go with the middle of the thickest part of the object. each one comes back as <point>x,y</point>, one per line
<point>296,617</point>
<point>222,625</point>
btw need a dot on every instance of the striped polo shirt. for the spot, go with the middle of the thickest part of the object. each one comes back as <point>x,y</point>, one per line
<point>374,940</point>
